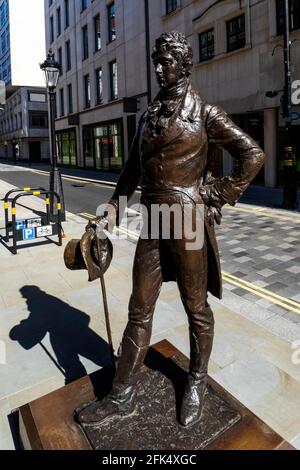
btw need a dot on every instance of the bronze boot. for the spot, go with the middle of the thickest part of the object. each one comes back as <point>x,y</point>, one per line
<point>193,399</point>
<point>121,400</point>
<point>192,403</point>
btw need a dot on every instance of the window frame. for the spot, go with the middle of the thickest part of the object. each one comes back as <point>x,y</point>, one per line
<point>68,57</point>
<point>239,44</point>
<point>35,114</point>
<point>97,33</point>
<point>171,6</point>
<point>70,98</point>
<point>280,16</point>
<point>112,81</point>
<point>112,34</point>
<point>99,85</point>
<point>87,91</point>
<point>85,42</point>
<point>210,55</point>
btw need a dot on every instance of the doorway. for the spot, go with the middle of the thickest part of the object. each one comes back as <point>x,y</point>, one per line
<point>35,152</point>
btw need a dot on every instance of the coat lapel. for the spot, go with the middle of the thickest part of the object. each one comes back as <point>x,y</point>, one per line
<point>190,110</point>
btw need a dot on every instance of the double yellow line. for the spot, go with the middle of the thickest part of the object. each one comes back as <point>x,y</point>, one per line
<point>277,299</point>
<point>261,211</point>
<point>288,304</point>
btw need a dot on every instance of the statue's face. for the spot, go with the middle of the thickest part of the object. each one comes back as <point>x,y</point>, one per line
<point>167,70</point>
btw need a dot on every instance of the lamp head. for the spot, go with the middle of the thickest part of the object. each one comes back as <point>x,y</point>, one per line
<point>51,70</point>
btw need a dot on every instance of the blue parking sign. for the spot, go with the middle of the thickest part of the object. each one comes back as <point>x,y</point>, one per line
<point>28,233</point>
<point>20,224</point>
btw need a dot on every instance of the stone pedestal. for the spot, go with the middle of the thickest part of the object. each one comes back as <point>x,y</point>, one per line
<point>48,423</point>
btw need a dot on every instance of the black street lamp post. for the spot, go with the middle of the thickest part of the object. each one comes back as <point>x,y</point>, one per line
<point>51,71</point>
<point>289,163</point>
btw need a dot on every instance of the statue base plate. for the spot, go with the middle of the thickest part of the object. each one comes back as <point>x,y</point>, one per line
<point>48,423</point>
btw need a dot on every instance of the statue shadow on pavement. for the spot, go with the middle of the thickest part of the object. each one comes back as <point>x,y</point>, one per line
<point>70,334</point>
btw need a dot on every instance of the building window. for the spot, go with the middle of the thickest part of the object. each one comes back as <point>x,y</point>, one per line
<point>51,28</point>
<point>236,33</point>
<point>38,119</point>
<point>67,14</point>
<point>70,99</point>
<point>113,75</point>
<point>294,11</point>
<point>36,97</point>
<point>207,45</point>
<point>87,91</point>
<point>83,5</point>
<point>62,102</point>
<point>68,56</point>
<point>99,86</point>
<point>58,18</point>
<point>111,12</point>
<point>97,33</point>
<point>60,61</point>
<point>85,43</point>
<point>66,147</point>
<point>171,5</point>
<point>103,146</point>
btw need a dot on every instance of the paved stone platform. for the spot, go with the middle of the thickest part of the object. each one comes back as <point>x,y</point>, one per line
<point>48,423</point>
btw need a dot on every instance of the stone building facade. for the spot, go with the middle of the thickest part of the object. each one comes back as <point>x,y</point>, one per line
<point>23,101</point>
<point>236,64</point>
<point>24,134</point>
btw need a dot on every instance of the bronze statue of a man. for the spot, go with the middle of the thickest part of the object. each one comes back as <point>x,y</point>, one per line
<point>170,157</point>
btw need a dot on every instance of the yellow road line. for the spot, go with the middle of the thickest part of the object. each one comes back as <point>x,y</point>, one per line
<point>134,235</point>
<point>262,212</point>
<point>87,215</point>
<point>260,294</point>
<point>75,180</point>
<point>261,289</point>
<point>130,232</point>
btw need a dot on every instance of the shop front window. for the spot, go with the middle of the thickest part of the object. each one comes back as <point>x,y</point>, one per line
<point>104,147</point>
<point>66,147</point>
<point>88,147</point>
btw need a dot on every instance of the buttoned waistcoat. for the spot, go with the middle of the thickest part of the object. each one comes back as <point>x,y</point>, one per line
<point>177,159</point>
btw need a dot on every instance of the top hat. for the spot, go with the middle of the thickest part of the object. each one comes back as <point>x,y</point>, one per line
<point>89,253</point>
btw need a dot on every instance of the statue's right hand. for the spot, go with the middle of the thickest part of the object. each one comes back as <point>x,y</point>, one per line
<point>105,220</point>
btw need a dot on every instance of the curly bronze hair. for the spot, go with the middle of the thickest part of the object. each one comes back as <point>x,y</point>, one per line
<point>175,43</point>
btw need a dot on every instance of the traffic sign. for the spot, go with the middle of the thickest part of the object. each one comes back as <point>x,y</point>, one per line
<point>28,233</point>
<point>34,222</point>
<point>20,224</point>
<point>45,231</point>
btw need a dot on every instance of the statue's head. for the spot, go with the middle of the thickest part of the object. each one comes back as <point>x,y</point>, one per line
<point>172,57</point>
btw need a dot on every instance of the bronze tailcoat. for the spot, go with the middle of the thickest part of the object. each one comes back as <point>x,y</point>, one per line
<point>178,158</point>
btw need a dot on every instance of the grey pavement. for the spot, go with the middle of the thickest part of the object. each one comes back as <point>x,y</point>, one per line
<point>53,331</point>
<point>263,250</point>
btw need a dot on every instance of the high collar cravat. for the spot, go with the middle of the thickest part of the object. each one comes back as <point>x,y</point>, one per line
<point>174,92</point>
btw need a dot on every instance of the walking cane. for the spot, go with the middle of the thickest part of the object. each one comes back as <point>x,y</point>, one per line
<point>106,312</point>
